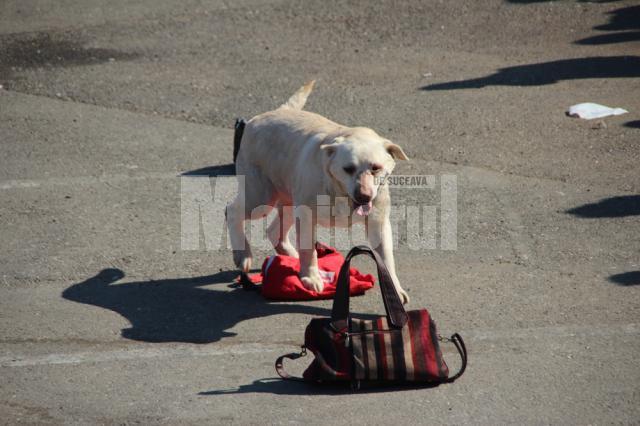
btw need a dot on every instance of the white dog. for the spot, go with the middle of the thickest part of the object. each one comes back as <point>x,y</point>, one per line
<point>290,157</point>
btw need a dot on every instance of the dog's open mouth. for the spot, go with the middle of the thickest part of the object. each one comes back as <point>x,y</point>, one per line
<point>363,209</point>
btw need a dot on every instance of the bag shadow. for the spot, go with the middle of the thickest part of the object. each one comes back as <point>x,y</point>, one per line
<point>278,386</point>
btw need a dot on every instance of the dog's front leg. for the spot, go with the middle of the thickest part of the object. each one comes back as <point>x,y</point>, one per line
<point>381,240</point>
<point>278,231</point>
<point>305,239</point>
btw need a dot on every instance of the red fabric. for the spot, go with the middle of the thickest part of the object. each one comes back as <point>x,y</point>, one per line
<point>280,279</point>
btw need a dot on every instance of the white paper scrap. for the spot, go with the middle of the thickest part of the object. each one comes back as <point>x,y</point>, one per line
<point>589,111</point>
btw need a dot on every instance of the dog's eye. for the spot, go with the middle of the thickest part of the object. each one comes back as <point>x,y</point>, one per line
<point>350,169</point>
<point>376,168</point>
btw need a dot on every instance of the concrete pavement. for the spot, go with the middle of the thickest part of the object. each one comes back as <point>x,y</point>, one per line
<point>104,319</point>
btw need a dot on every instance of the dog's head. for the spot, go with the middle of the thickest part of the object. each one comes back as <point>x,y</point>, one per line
<point>359,161</point>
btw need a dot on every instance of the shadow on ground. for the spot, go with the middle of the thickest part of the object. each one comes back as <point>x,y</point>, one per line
<point>547,1</point>
<point>551,72</point>
<point>633,124</point>
<point>213,171</point>
<point>23,51</point>
<point>619,37</point>
<point>626,205</point>
<point>626,18</point>
<point>624,24</point>
<point>626,278</point>
<point>179,310</point>
<point>279,386</point>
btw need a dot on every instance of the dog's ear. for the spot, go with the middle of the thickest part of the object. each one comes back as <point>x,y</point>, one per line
<point>330,147</point>
<point>395,151</point>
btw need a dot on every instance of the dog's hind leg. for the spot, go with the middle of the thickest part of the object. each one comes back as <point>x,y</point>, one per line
<point>279,230</point>
<point>239,244</point>
<point>255,200</point>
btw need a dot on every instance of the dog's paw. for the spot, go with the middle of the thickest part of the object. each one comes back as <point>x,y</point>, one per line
<point>313,282</point>
<point>287,249</point>
<point>404,297</point>
<point>242,259</point>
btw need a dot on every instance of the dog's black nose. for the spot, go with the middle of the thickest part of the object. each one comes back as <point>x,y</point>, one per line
<point>361,198</point>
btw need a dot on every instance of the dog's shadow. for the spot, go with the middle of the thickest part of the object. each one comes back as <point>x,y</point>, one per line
<point>179,310</point>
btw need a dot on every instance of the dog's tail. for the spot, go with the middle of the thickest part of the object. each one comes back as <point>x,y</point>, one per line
<point>237,136</point>
<point>299,98</point>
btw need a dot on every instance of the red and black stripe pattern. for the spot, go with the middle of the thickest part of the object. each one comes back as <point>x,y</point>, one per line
<point>411,353</point>
<point>372,350</point>
<point>399,347</point>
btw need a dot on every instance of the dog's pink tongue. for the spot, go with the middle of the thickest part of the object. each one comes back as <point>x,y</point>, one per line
<point>364,209</point>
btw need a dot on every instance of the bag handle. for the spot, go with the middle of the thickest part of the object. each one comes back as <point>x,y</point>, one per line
<point>462,350</point>
<point>392,304</point>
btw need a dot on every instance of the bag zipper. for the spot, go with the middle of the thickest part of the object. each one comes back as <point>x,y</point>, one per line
<point>356,333</point>
<point>347,334</point>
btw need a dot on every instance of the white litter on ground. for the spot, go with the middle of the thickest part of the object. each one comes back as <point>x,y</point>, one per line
<point>589,111</point>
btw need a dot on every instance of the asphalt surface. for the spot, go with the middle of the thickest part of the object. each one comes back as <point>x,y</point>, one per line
<point>105,318</point>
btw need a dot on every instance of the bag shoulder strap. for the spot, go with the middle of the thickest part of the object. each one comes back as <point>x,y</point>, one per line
<point>280,365</point>
<point>395,311</point>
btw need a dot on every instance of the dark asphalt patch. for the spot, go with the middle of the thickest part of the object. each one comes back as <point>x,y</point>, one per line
<point>19,52</point>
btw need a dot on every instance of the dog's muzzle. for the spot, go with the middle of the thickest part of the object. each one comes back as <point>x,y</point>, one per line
<point>362,209</point>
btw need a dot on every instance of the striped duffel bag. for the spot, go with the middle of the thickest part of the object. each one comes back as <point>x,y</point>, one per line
<point>401,347</point>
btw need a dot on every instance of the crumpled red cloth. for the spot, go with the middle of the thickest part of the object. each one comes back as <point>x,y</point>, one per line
<point>280,279</point>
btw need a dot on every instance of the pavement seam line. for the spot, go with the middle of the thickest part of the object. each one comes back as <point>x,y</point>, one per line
<point>471,336</point>
<point>83,180</point>
<point>133,354</point>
